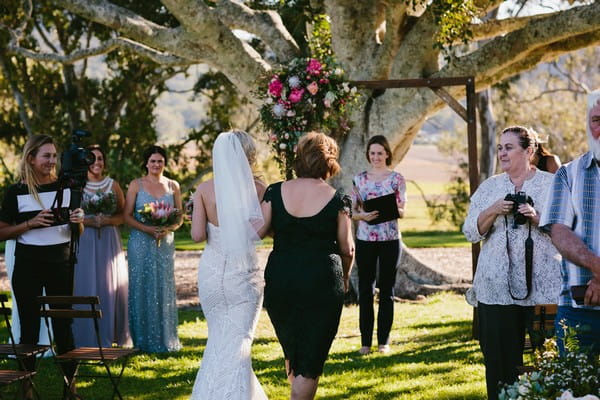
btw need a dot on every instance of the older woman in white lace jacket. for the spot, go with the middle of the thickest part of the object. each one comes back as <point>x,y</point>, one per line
<point>501,292</point>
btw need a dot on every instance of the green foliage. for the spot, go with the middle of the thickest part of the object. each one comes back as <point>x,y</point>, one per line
<point>454,204</point>
<point>320,39</point>
<point>452,17</point>
<point>116,105</point>
<point>575,371</point>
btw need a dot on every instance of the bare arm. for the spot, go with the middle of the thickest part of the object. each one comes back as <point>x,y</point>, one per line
<point>42,219</point>
<point>178,205</point>
<point>199,219</point>
<point>574,249</point>
<point>358,212</point>
<point>128,210</point>
<point>345,244</point>
<point>486,218</point>
<point>267,213</point>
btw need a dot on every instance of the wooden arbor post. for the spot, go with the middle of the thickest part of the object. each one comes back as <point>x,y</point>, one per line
<point>468,115</point>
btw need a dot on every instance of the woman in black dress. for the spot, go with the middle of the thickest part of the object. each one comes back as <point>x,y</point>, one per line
<point>307,272</point>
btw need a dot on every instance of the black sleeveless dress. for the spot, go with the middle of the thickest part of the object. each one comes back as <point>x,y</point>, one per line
<point>304,289</point>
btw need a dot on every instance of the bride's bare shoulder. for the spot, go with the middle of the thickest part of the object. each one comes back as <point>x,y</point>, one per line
<point>206,186</point>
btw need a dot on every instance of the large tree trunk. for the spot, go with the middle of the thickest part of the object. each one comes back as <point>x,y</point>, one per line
<point>487,124</point>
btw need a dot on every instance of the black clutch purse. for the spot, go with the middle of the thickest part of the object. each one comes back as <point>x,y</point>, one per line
<point>386,205</point>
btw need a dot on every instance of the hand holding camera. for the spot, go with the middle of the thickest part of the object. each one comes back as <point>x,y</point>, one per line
<point>522,207</point>
<point>43,219</point>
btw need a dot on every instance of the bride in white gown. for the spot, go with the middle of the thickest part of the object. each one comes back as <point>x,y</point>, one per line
<point>230,284</point>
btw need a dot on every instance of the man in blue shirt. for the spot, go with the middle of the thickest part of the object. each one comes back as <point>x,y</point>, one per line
<point>573,218</point>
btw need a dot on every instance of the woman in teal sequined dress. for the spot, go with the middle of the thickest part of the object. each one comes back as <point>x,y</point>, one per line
<point>150,252</point>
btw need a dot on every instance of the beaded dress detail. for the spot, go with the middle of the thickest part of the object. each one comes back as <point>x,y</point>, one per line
<point>231,299</point>
<point>152,302</point>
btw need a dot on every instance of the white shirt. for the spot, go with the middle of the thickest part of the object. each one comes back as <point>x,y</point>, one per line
<point>490,285</point>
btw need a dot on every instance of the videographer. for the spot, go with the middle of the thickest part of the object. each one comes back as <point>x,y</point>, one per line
<point>43,235</point>
<point>518,266</point>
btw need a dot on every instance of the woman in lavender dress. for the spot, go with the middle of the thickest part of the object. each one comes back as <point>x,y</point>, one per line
<point>101,268</point>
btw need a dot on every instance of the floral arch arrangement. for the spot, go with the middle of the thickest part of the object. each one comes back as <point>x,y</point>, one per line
<point>306,95</point>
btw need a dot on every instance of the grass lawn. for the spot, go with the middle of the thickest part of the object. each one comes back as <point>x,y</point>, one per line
<point>433,357</point>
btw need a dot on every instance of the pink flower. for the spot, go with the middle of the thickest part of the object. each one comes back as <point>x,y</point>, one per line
<point>313,67</point>
<point>275,87</point>
<point>323,81</point>
<point>296,95</point>
<point>313,88</point>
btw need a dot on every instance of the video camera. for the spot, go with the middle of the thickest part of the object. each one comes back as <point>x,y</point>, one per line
<point>74,166</point>
<point>517,199</point>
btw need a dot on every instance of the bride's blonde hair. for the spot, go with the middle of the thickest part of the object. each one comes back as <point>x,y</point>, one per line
<point>247,144</point>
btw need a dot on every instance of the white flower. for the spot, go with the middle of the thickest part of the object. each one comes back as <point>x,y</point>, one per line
<point>282,146</point>
<point>338,71</point>
<point>286,135</point>
<point>278,110</point>
<point>329,99</point>
<point>353,90</point>
<point>523,390</point>
<point>345,87</point>
<point>294,81</point>
<point>269,100</point>
<point>291,113</point>
<point>205,137</point>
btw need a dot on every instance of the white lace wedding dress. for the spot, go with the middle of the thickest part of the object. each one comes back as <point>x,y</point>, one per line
<point>231,298</point>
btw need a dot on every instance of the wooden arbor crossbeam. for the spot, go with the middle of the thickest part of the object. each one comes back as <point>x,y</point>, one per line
<point>469,115</point>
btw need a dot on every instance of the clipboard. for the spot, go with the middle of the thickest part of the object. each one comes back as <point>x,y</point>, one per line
<point>386,205</point>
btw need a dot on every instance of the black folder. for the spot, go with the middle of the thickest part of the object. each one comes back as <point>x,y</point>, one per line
<point>386,205</point>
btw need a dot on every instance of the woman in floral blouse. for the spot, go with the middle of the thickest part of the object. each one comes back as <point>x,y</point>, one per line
<point>377,243</point>
<point>504,296</point>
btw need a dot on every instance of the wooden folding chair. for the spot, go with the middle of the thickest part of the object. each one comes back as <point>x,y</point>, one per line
<point>543,325</point>
<point>18,352</point>
<point>62,307</point>
<point>541,329</point>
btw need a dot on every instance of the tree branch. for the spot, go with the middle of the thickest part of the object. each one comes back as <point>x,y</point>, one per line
<point>542,54</point>
<point>104,48</point>
<point>209,41</point>
<point>124,21</point>
<point>540,40</point>
<point>545,92</point>
<point>395,18</point>
<point>265,24</point>
<point>495,27</point>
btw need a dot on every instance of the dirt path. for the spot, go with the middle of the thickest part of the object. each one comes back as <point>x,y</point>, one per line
<point>454,261</point>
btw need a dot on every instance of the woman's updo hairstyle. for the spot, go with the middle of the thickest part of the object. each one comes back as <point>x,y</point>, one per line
<point>527,137</point>
<point>247,145</point>
<point>316,156</point>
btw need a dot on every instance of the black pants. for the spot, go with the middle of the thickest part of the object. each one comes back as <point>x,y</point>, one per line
<point>502,338</point>
<point>367,256</point>
<point>28,279</point>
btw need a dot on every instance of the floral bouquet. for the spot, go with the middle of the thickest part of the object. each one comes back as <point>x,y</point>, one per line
<point>572,375</point>
<point>306,95</point>
<point>99,204</point>
<point>159,214</point>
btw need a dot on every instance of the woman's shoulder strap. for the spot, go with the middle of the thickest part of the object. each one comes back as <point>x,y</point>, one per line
<point>272,190</point>
<point>342,201</point>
